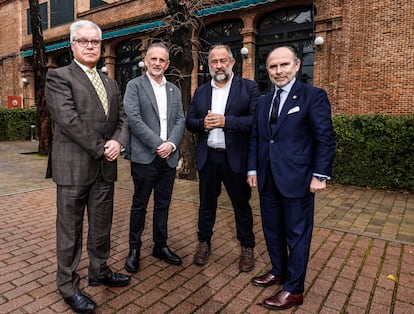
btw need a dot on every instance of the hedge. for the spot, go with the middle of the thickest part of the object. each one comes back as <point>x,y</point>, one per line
<point>15,124</point>
<point>375,151</point>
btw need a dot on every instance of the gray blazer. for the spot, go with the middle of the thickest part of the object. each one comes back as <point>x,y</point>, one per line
<point>81,126</point>
<point>143,119</point>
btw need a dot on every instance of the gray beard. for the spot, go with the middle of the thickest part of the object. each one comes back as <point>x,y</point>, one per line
<point>221,78</point>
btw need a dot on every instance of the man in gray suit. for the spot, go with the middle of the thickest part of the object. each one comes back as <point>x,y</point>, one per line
<point>155,116</point>
<point>90,129</point>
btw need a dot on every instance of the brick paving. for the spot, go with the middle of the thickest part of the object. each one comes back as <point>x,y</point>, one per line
<point>361,237</point>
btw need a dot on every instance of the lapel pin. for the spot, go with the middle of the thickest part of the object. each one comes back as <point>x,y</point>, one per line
<point>294,97</point>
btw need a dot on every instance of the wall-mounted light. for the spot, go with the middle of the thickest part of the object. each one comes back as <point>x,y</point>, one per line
<point>318,42</point>
<point>25,81</point>
<point>244,52</point>
<point>141,64</point>
<point>104,69</point>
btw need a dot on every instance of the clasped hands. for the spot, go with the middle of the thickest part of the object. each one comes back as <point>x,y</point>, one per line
<point>165,150</point>
<point>112,149</point>
<point>213,120</point>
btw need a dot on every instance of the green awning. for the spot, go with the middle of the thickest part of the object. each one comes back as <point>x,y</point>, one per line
<point>231,6</point>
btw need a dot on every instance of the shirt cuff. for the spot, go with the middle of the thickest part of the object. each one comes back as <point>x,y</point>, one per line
<point>321,176</point>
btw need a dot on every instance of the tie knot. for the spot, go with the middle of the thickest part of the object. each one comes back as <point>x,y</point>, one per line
<point>279,91</point>
<point>91,71</point>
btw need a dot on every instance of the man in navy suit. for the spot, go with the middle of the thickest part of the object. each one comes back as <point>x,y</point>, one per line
<point>221,114</point>
<point>291,152</point>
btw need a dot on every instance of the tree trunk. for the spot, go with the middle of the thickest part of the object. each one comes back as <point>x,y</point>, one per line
<point>182,65</point>
<point>44,126</point>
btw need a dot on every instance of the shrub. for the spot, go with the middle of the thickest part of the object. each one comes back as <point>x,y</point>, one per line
<point>15,124</point>
<point>375,151</point>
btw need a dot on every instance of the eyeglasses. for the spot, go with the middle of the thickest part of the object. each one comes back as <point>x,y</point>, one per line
<point>82,42</point>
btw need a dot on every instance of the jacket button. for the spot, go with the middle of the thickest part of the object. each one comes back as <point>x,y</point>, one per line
<point>272,141</point>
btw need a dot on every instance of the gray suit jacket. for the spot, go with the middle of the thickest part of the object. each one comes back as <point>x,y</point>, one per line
<point>81,126</point>
<point>143,119</point>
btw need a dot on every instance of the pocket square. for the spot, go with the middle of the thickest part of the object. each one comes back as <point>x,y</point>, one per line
<point>294,109</point>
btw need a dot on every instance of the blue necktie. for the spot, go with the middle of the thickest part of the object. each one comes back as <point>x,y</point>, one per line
<point>275,107</point>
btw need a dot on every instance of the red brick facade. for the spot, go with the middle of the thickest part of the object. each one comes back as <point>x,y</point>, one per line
<point>365,64</point>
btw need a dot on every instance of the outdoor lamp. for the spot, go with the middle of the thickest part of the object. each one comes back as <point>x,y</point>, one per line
<point>244,52</point>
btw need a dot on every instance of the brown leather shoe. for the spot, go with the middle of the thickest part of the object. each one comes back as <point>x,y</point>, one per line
<point>283,300</point>
<point>267,280</point>
<point>246,262</point>
<point>202,254</point>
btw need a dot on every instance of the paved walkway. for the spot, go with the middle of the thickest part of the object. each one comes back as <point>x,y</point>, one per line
<point>361,238</point>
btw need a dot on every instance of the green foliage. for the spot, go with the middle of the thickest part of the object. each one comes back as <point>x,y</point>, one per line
<point>15,124</point>
<point>375,151</point>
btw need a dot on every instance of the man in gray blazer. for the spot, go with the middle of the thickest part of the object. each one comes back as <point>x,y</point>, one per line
<point>156,120</point>
<point>90,129</point>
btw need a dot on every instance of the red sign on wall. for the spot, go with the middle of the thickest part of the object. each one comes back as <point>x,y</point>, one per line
<point>14,102</point>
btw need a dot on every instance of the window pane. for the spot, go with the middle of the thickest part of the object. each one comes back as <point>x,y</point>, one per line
<point>97,3</point>
<point>126,63</point>
<point>61,12</point>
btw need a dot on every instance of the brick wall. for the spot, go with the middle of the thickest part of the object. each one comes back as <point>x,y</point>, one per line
<point>367,61</point>
<point>10,41</point>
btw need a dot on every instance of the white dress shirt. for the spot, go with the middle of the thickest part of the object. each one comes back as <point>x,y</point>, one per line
<point>219,98</point>
<point>160,92</point>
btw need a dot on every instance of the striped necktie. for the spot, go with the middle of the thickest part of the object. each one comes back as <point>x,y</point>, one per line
<point>100,89</point>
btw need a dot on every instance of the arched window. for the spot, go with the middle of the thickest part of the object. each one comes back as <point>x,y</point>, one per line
<point>128,55</point>
<point>289,26</point>
<point>227,32</point>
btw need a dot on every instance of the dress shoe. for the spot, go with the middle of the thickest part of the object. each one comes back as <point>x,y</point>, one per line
<point>111,280</point>
<point>132,261</point>
<point>283,300</point>
<point>246,262</point>
<point>267,280</point>
<point>81,303</point>
<point>164,253</point>
<point>202,254</point>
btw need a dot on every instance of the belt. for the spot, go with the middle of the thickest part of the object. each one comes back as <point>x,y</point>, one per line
<point>218,149</point>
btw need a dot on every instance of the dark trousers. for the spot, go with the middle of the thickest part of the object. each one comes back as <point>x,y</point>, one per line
<point>287,227</point>
<point>215,171</point>
<point>71,202</point>
<point>157,176</point>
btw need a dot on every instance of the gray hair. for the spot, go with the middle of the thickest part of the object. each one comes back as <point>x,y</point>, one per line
<point>159,45</point>
<point>83,24</point>
<point>221,46</point>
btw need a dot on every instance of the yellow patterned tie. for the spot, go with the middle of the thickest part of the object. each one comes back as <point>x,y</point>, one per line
<point>100,89</point>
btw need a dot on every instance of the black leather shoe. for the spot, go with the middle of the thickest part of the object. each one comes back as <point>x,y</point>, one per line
<point>167,255</point>
<point>81,303</point>
<point>132,261</point>
<point>111,280</point>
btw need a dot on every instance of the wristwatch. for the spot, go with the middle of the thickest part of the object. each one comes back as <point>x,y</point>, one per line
<point>321,179</point>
